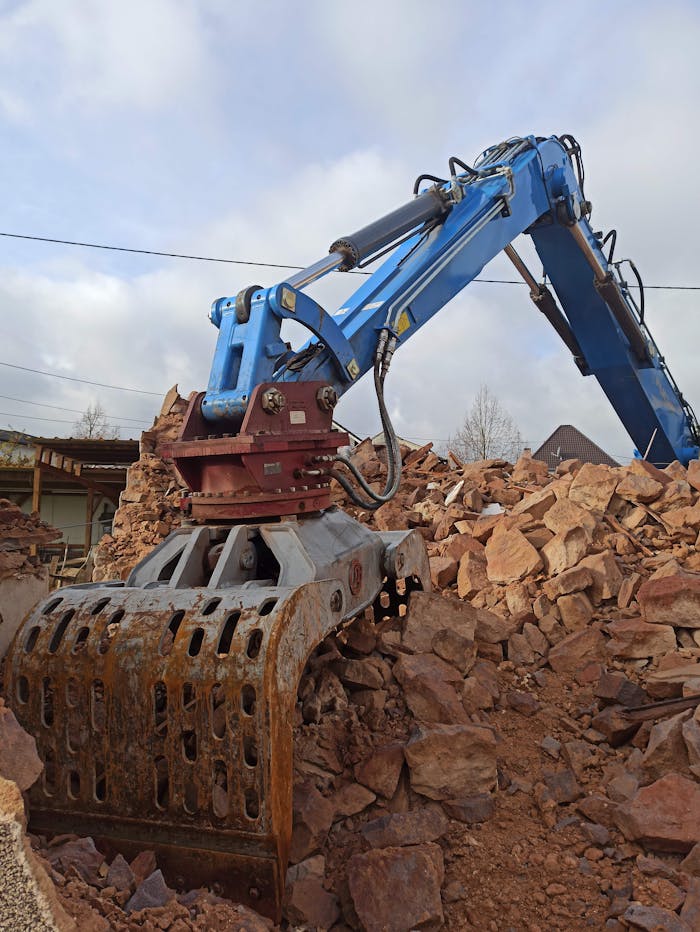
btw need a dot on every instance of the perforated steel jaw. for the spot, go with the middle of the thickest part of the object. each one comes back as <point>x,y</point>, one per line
<point>164,715</point>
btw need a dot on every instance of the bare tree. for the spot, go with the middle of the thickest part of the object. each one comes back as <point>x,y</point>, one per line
<point>94,424</point>
<point>488,431</point>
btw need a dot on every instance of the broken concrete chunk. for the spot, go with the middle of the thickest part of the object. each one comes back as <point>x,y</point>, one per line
<point>351,799</point>
<point>380,772</point>
<point>470,809</point>
<point>450,761</point>
<point>406,828</point>
<point>564,550</point>
<point>632,638</point>
<point>607,577</point>
<point>19,760</point>
<point>429,613</point>
<point>428,688</point>
<point>313,816</point>
<point>634,488</point>
<point>454,648</point>
<point>395,889</point>
<point>151,892</point>
<point>593,486</point>
<point>576,650</point>
<point>666,751</point>
<point>571,580</point>
<point>664,816</point>
<point>575,609</point>
<point>510,557</point>
<point>674,600</point>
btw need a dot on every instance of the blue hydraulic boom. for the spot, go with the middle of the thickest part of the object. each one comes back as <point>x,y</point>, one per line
<point>437,243</point>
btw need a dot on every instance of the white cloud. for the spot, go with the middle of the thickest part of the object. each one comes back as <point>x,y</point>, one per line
<point>93,54</point>
<point>396,88</point>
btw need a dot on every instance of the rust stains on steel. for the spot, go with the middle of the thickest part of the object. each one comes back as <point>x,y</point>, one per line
<point>163,710</point>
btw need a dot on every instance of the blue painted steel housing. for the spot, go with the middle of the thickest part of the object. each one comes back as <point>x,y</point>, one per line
<point>535,190</point>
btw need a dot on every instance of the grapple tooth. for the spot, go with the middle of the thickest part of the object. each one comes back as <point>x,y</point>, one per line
<point>164,718</point>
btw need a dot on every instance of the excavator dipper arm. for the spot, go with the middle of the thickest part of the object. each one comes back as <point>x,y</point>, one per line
<point>522,186</point>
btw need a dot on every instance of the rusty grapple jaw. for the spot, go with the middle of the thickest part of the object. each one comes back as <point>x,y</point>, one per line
<point>163,707</point>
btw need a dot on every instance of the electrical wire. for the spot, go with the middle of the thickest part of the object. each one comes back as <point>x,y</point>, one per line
<point>58,420</point>
<point>43,404</point>
<point>260,263</point>
<point>72,378</point>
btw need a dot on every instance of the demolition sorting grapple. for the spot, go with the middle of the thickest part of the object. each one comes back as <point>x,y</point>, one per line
<point>163,708</point>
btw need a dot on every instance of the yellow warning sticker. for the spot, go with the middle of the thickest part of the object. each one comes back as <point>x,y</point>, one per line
<point>403,323</point>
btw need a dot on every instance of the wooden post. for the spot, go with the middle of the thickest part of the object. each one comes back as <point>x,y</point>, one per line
<point>89,512</point>
<point>36,492</point>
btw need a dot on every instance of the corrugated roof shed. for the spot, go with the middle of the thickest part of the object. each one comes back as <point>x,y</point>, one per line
<point>568,443</point>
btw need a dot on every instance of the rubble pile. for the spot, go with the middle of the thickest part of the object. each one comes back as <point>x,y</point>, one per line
<point>19,532</point>
<point>463,757</point>
<point>148,506</point>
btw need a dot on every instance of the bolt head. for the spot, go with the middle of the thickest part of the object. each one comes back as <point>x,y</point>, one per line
<point>273,401</point>
<point>326,398</point>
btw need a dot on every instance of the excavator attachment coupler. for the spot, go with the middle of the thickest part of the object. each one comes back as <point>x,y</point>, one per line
<point>163,709</point>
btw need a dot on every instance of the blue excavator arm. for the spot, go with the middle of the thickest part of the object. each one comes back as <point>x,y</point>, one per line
<point>438,243</point>
<point>203,649</point>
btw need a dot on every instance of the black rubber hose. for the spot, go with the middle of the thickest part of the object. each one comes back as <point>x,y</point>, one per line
<point>612,234</point>
<point>416,183</point>
<point>394,465</point>
<point>463,165</point>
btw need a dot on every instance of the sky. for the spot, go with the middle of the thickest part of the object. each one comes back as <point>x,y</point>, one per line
<point>264,130</point>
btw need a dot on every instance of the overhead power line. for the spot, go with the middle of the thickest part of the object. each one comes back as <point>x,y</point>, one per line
<point>72,378</point>
<point>268,265</point>
<point>42,404</point>
<point>150,252</point>
<point>58,420</point>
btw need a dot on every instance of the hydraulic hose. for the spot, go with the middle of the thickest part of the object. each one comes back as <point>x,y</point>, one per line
<point>382,361</point>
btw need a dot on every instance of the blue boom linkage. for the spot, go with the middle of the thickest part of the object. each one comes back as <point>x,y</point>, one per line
<point>438,243</point>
